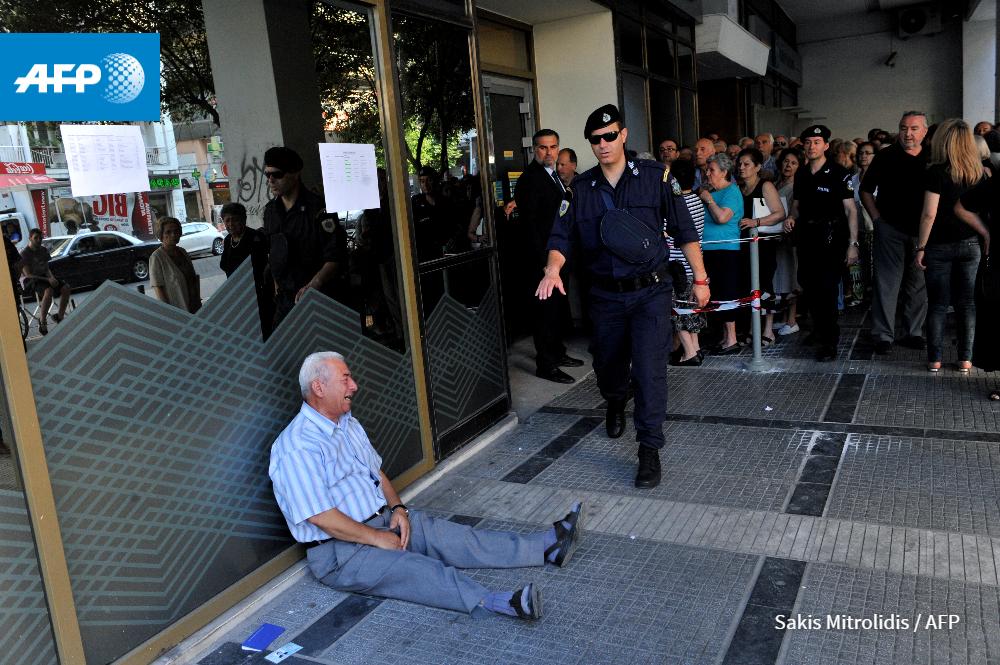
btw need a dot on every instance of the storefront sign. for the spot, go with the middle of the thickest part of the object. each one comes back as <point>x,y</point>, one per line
<point>22,168</point>
<point>40,201</point>
<point>128,213</point>
<point>164,182</point>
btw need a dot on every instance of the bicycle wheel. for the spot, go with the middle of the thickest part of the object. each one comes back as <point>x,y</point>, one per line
<point>22,318</point>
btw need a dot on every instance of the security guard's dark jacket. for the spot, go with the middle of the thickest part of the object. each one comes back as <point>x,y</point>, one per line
<point>821,195</point>
<point>538,197</point>
<point>300,242</point>
<point>642,192</point>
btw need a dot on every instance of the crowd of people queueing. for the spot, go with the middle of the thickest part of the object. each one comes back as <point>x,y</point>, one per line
<point>913,222</point>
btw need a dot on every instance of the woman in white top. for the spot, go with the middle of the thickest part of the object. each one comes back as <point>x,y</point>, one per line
<point>171,273</point>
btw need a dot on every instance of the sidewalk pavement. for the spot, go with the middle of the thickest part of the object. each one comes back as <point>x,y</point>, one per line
<point>860,496</point>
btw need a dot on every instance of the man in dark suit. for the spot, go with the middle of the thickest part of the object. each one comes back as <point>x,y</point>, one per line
<point>539,194</point>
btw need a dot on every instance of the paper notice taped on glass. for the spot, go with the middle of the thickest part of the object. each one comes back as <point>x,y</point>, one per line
<point>350,176</point>
<point>105,159</point>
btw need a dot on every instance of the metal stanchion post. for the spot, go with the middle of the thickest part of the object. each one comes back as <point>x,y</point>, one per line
<point>757,364</point>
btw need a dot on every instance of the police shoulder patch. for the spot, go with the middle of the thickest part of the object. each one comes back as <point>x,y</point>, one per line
<point>329,225</point>
<point>563,207</point>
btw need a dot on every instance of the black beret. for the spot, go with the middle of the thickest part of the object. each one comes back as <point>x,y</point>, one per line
<point>283,158</point>
<point>602,117</point>
<point>816,130</point>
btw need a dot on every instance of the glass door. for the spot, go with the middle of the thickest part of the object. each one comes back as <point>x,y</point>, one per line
<point>455,246</point>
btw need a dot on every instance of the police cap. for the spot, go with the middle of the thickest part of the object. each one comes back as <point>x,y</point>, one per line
<point>821,131</point>
<point>602,117</point>
<point>283,158</point>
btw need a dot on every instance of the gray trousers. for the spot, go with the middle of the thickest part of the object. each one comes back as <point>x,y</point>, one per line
<point>895,277</point>
<point>426,572</point>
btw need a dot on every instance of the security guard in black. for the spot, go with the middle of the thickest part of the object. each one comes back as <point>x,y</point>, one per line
<point>630,300</point>
<point>307,248</point>
<point>823,221</point>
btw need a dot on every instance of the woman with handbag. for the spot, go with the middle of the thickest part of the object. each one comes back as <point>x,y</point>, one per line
<point>980,209</point>
<point>761,208</point>
<point>947,249</point>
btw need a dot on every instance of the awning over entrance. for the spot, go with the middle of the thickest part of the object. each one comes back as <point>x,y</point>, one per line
<point>20,174</point>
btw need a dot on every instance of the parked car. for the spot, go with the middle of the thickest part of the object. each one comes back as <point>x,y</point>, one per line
<point>201,238</point>
<point>87,259</point>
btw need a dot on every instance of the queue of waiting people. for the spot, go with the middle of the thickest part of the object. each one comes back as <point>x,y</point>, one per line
<point>901,222</point>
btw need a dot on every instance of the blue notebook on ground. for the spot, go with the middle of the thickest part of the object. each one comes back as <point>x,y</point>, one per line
<point>262,637</point>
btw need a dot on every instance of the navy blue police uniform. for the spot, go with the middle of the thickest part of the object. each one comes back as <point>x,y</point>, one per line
<point>822,236</point>
<point>630,303</point>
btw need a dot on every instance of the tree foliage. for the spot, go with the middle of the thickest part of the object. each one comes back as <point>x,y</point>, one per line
<point>434,75</point>
<point>187,89</point>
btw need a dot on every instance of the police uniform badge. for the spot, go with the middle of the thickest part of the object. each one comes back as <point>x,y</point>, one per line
<point>606,117</point>
<point>563,207</point>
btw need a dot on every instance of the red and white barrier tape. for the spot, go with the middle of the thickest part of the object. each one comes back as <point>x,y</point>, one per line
<point>752,300</point>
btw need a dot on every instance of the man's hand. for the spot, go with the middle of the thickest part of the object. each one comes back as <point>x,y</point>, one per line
<point>387,540</point>
<point>551,281</point>
<point>789,224</point>
<point>401,521</point>
<point>852,256</point>
<point>309,285</point>
<point>918,261</point>
<point>510,208</point>
<point>701,294</point>
<point>747,223</point>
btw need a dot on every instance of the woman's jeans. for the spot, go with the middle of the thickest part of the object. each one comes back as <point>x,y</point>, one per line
<point>951,280</point>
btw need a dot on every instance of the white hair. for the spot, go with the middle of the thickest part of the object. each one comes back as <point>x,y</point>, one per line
<point>314,367</point>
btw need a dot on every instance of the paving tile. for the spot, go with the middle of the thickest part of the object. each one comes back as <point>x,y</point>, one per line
<point>678,603</point>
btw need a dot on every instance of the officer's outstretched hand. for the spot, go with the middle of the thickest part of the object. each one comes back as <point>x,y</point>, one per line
<point>551,281</point>
<point>701,294</point>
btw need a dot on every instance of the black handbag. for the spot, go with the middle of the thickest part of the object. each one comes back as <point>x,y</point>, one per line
<point>988,283</point>
<point>627,237</point>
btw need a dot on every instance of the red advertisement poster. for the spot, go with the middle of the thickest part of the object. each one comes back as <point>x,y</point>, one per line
<point>40,200</point>
<point>128,213</point>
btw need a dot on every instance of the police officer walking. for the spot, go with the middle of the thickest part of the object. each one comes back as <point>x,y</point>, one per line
<point>617,218</point>
<point>307,247</point>
<point>824,220</point>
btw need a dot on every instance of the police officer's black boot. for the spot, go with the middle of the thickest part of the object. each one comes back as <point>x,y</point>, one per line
<point>614,420</point>
<point>649,467</point>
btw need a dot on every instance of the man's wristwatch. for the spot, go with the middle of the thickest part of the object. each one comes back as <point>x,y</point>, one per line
<point>855,243</point>
<point>400,505</point>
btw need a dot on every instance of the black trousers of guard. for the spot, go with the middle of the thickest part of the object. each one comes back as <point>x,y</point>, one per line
<point>821,267</point>
<point>548,322</point>
<point>631,343</point>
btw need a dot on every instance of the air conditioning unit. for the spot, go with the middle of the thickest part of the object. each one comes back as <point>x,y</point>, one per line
<point>920,20</point>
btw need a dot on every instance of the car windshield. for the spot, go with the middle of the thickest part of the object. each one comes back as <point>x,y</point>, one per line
<point>56,246</point>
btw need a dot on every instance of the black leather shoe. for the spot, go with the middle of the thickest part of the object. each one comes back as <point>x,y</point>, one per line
<point>883,347</point>
<point>566,538</point>
<point>614,420</point>
<point>649,467</point>
<point>527,602</point>
<point>826,353</point>
<point>567,361</point>
<point>913,342</point>
<point>554,374</point>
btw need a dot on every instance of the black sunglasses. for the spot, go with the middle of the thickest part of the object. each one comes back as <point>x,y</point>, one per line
<point>608,137</point>
<point>275,175</point>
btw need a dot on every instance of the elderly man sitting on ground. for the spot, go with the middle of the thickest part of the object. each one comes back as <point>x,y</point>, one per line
<point>360,537</point>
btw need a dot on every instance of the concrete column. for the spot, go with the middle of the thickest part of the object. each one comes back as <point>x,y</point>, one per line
<point>979,60</point>
<point>266,88</point>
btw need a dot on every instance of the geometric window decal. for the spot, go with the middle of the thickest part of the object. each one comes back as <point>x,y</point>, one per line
<point>157,427</point>
<point>466,359</point>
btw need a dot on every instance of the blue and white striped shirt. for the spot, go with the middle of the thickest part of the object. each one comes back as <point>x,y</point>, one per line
<point>317,464</point>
